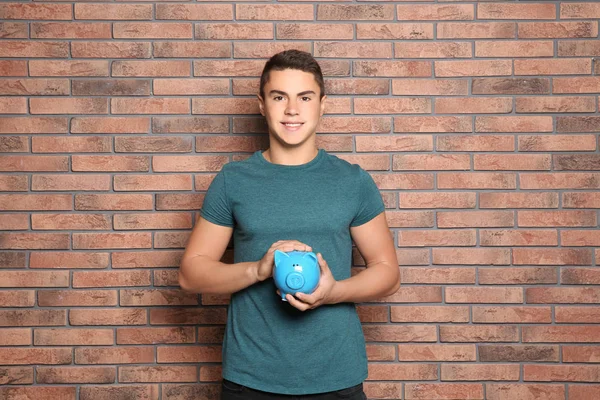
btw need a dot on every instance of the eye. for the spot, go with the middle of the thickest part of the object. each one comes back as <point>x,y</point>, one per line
<point>278,98</point>
<point>306,98</point>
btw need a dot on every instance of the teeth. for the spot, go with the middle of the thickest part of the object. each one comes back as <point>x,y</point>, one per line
<point>292,124</point>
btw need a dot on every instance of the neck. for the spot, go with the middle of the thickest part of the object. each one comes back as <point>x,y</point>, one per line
<point>277,154</point>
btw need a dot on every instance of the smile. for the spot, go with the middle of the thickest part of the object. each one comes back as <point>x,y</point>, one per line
<point>292,126</point>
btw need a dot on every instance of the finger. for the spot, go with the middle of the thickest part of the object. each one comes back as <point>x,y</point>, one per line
<point>309,299</point>
<point>322,263</point>
<point>297,304</point>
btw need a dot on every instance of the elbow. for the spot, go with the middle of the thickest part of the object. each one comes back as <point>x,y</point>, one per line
<point>183,281</point>
<point>396,285</point>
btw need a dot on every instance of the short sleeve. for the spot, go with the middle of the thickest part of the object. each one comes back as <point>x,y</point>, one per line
<point>370,201</point>
<point>216,206</point>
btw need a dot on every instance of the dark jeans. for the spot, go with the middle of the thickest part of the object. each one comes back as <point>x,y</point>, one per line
<point>233,391</point>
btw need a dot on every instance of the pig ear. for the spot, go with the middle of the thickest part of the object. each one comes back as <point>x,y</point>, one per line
<point>279,256</point>
<point>311,255</point>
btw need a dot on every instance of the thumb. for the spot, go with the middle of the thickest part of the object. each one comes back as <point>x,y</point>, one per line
<point>322,263</point>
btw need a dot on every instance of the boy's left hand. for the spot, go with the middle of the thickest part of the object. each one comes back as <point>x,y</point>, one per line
<point>323,294</point>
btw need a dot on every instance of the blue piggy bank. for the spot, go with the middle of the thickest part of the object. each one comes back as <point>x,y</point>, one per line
<point>296,271</point>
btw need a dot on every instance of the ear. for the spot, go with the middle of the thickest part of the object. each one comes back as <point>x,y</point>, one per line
<point>261,104</point>
<point>323,104</point>
<point>280,255</point>
<point>311,255</point>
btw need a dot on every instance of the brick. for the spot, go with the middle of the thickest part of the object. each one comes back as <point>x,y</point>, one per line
<point>169,278</point>
<point>579,10</point>
<point>555,104</point>
<point>550,30</point>
<point>578,48</point>
<point>443,391</point>
<point>435,12</point>
<point>11,259</point>
<point>511,86</point>
<point>76,298</point>
<point>150,106</point>
<point>473,68</point>
<point>478,333</point>
<point>56,105</point>
<point>505,315</point>
<point>11,105</point>
<point>16,375</point>
<point>110,125</point>
<point>113,11</point>
<point>151,297</point>
<point>567,180</point>
<point>447,237</point>
<point>181,392</point>
<point>516,11</point>
<point>568,373</point>
<point>476,180</point>
<point>410,219</point>
<point>72,182</point>
<point>92,144</point>
<point>158,374</point>
<point>380,353</point>
<point>499,391</point>
<point>111,49</point>
<point>155,335</point>
<point>405,333</point>
<point>156,182</point>
<point>88,202</point>
<point>578,124</point>
<point>579,276</point>
<point>392,68</point>
<point>150,69</point>
<point>24,356</point>
<point>68,68</point>
<point>32,317</point>
<point>476,30</point>
<point>153,144</point>
<point>111,278</point>
<point>558,256</point>
<point>190,86</point>
<point>432,124</point>
<point>354,124</point>
<point>483,295</point>
<point>14,144</point>
<point>109,87</point>
<point>153,221</point>
<point>520,48</point>
<point>34,202</point>
<point>403,181</point>
<point>45,49</point>
<point>211,335</point>
<point>353,49</point>
<point>15,222</point>
<point>121,392</point>
<point>569,66</point>
<point>576,85</point>
<point>508,162</point>
<point>433,162</point>
<point>474,219</point>
<point>356,12</point>
<point>266,49</point>
<point>26,86</point>
<point>314,31</point>
<point>152,30</point>
<point>108,317</point>
<point>579,353</point>
<point>478,105</point>
<point>34,163</point>
<point>562,295</point>
<point>429,313</point>
<point>139,240</point>
<point>17,298</point>
<point>581,200</point>
<point>474,372</point>
<point>151,259</point>
<point>188,163</point>
<point>392,106</point>
<point>34,278</point>
<point>233,31</point>
<point>584,162</point>
<point>513,124</point>
<point>114,355</point>
<point>276,12</point>
<point>365,313</point>
<point>164,240</point>
<point>228,68</point>
<point>13,67</point>
<point>70,30</point>
<point>393,31</point>
<point>518,237</point>
<point>70,221</point>
<point>36,11</point>
<point>436,352</point>
<point>75,375</point>
<point>34,125</point>
<point>519,353</point>
<point>73,337</point>
<point>195,12</point>
<point>433,50</point>
<point>191,49</point>
<point>581,392</point>
<point>356,86</point>
<point>518,200</point>
<point>187,316</point>
<point>218,105</point>
<point>13,30</point>
<point>190,125</point>
<point>476,256</point>
<point>110,163</point>
<point>415,294</point>
<point>189,354</point>
<point>579,238</point>
<point>403,372</point>
<point>437,200</point>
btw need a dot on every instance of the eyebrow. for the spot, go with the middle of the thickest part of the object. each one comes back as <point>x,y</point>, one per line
<point>285,94</point>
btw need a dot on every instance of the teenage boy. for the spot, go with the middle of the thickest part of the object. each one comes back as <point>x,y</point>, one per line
<point>291,197</point>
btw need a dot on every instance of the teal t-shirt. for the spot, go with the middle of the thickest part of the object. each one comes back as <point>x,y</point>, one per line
<point>269,345</point>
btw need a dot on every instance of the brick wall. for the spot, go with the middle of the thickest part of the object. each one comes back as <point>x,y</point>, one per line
<point>477,120</point>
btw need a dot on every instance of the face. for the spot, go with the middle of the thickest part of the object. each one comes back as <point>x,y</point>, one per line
<point>292,106</point>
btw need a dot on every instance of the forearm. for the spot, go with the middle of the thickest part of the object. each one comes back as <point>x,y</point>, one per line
<point>200,274</point>
<point>374,282</point>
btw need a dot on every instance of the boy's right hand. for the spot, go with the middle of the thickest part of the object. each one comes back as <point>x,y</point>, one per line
<point>264,267</point>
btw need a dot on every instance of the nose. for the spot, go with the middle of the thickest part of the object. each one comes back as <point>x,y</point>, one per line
<point>291,108</point>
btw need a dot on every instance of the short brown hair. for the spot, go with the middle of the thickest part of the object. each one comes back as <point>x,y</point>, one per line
<point>292,59</point>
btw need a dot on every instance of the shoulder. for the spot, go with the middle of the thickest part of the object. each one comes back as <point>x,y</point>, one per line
<point>345,167</point>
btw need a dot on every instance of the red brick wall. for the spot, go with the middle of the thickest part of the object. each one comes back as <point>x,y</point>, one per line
<point>477,120</point>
